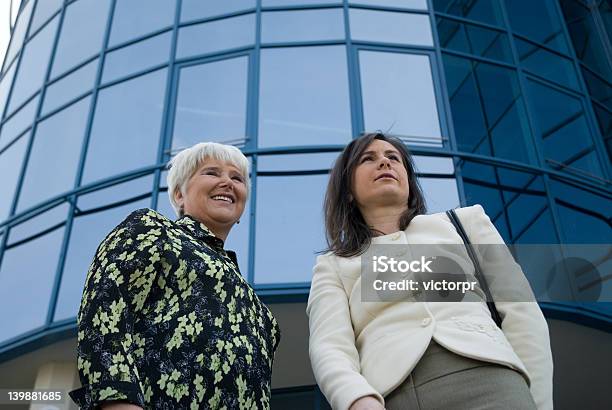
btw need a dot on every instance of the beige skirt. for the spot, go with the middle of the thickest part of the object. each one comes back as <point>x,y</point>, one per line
<point>445,380</point>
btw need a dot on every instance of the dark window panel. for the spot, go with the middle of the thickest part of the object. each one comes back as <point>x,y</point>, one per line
<point>542,22</point>
<point>62,135</point>
<point>474,40</point>
<point>82,33</point>
<point>546,64</point>
<point>11,160</point>
<point>283,204</point>
<point>485,11</point>
<point>31,265</point>
<point>33,66</point>
<point>220,35</point>
<point>304,25</point>
<point>69,87</point>
<point>398,96</point>
<point>44,10</point>
<point>322,113</point>
<point>565,137</point>
<point>88,231</point>
<point>130,22</point>
<point>19,122</point>
<point>390,27</point>
<point>211,103</point>
<point>21,25</point>
<point>136,57</point>
<point>197,9</point>
<point>126,127</point>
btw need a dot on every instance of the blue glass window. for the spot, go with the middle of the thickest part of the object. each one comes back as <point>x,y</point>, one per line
<point>11,160</point>
<point>211,103</point>
<point>546,64</point>
<point>21,25</point>
<point>130,22</point>
<point>321,114</point>
<point>144,54</point>
<point>542,22</point>
<point>33,66</point>
<point>126,127</point>
<point>390,27</point>
<point>285,204</point>
<point>20,270</point>
<point>304,25</point>
<point>486,11</point>
<point>566,139</point>
<point>197,9</point>
<point>87,233</point>
<point>19,122</point>
<point>489,113</point>
<point>398,96</point>
<point>70,86</point>
<point>468,38</point>
<point>82,33</point>
<point>220,35</point>
<point>62,135</point>
<point>44,10</point>
<point>405,4</point>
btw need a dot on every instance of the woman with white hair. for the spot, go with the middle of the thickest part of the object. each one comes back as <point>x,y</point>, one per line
<point>166,319</point>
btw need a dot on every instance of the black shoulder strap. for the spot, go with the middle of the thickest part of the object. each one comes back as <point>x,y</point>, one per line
<point>477,269</point>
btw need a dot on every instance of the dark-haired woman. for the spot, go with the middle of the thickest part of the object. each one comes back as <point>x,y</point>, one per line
<point>412,355</point>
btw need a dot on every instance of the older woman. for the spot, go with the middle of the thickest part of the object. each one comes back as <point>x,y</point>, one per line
<point>419,354</point>
<point>166,319</point>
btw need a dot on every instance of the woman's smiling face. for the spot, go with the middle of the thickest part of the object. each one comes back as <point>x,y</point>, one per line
<point>380,177</point>
<point>215,195</point>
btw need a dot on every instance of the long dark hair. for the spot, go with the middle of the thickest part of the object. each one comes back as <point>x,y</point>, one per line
<point>347,233</point>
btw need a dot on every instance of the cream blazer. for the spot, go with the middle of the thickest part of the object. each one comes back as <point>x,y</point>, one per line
<point>359,348</point>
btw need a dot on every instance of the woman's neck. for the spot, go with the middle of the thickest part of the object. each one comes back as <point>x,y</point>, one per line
<point>383,220</point>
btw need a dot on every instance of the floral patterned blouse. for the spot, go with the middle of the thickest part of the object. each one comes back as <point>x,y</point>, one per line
<point>168,322</point>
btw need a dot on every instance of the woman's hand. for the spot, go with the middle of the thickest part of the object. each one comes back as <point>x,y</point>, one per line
<point>120,406</point>
<point>366,403</point>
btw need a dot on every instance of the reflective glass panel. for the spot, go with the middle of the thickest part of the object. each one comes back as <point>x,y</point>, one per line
<point>219,34</point>
<point>390,27</point>
<point>304,25</point>
<point>321,114</point>
<point>404,4</point>
<point>19,122</point>
<point>440,194</point>
<point>472,39</point>
<point>563,130</point>
<point>144,54</point>
<point>62,135</point>
<point>69,87</point>
<point>82,33</point>
<point>11,161</point>
<point>546,64</point>
<point>286,205</point>
<point>486,11</point>
<point>21,25</point>
<point>211,103</point>
<point>542,22</point>
<point>489,113</point>
<point>197,9</point>
<point>88,231</point>
<point>130,22</point>
<point>33,66</point>
<point>126,127</point>
<point>44,10</point>
<point>19,314</point>
<point>398,96</point>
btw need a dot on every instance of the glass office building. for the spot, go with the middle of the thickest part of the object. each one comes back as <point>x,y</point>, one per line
<point>506,103</point>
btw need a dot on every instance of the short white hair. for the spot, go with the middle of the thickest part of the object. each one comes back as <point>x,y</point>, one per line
<point>182,167</point>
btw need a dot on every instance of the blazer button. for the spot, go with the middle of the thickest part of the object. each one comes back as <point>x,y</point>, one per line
<point>426,322</point>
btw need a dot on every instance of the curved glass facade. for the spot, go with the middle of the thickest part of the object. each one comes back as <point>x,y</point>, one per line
<point>500,107</point>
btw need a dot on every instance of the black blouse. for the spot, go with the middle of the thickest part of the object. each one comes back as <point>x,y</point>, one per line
<point>167,321</point>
